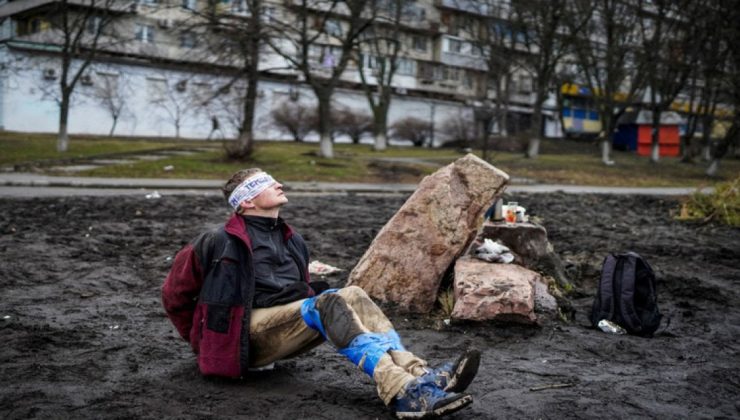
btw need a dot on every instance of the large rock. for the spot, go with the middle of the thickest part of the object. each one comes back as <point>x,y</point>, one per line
<point>495,292</point>
<point>407,259</point>
<point>529,243</point>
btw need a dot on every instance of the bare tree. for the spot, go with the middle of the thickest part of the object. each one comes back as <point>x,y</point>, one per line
<point>174,101</point>
<point>111,91</point>
<point>729,14</point>
<point>80,30</point>
<point>605,53</point>
<point>379,51</point>
<point>668,55</point>
<point>542,25</point>
<point>295,118</point>
<point>459,130</point>
<point>499,45</point>
<point>319,44</point>
<point>237,34</point>
<point>415,130</point>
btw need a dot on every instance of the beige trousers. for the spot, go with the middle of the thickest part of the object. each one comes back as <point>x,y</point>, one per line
<point>279,332</point>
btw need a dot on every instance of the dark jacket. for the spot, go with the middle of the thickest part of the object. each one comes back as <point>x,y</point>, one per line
<point>209,291</point>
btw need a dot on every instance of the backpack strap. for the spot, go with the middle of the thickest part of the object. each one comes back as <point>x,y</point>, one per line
<point>606,288</point>
<point>627,293</point>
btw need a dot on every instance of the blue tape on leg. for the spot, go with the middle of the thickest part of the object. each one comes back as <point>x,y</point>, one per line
<point>311,315</point>
<point>371,347</point>
<point>395,340</point>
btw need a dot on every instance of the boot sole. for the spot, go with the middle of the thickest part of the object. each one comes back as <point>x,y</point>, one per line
<point>465,370</point>
<point>448,408</point>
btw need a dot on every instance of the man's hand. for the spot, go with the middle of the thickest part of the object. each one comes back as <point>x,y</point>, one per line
<point>319,286</point>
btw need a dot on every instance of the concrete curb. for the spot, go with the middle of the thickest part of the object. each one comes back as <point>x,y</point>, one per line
<point>190,186</point>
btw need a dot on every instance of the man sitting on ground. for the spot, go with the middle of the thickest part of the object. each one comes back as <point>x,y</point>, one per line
<point>242,296</point>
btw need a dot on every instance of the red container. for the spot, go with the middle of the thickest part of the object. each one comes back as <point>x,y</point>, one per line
<point>668,140</point>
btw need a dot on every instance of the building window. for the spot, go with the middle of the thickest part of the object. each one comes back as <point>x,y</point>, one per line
<point>370,62</point>
<point>188,4</point>
<point>524,84</point>
<point>419,43</point>
<point>93,24</point>
<point>406,67</point>
<point>145,33</point>
<point>468,80</point>
<point>36,25</point>
<point>333,27</point>
<point>453,45</point>
<point>268,14</point>
<point>188,40</point>
<point>240,7</point>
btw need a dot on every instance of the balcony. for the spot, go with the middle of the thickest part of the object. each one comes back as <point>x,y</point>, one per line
<point>22,6</point>
<point>492,8</point>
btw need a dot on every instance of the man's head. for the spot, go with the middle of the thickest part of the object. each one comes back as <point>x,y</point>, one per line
<point>253,191</point>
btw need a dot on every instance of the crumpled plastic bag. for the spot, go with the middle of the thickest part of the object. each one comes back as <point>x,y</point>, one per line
<point>494,252</point>
<point>317,267</point>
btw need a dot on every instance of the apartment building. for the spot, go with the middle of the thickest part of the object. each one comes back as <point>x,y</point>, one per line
<point>158,65</point>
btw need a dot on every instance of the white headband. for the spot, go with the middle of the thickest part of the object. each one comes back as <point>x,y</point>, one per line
<point>250,188</point>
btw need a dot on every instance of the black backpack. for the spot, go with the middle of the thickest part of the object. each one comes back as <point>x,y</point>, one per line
<point>626,295</point>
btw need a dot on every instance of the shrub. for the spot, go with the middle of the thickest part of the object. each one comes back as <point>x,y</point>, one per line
<point>296,119</point>
<point>412,129</point>
<point>352,123</point>
<point>722,205</point>
<point>459,131</point>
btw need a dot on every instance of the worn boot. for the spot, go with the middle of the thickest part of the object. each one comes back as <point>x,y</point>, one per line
<point>457,376</point>
<point>421,398</point>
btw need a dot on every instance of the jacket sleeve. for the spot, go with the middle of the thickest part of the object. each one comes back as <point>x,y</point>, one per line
<point>181,289</point>
<point>303,249</point>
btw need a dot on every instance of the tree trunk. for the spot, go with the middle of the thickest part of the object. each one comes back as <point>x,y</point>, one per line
<point>534,141</point>
<point>606,141</point>
<point>655,137</point>
<point>113,127</point>
<point>713,167</point>
<point>63,136</point>
<point>326,147</point>
<point>380,127</point>
<point>606,151</point>
<point>245,142</point>
<point>483,134</point>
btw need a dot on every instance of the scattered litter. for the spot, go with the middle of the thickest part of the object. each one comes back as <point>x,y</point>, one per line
<point>271,366</point>
<point>168,258</point>
<point>6,317</point>
<point>446,321</point>
<point>514,213</point>
<point>169,168</point>
<point>113,327</point>
<point>611,327</point>
<point>316,267</point>
<point>551,386</point>
<point>153,195</point>
<point>494,251</point>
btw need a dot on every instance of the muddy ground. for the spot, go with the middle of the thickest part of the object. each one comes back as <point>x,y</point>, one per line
<point>84,334</point>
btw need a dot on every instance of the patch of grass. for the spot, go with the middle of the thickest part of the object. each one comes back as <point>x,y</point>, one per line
<point>446,300</point>
<point>723,205</point>
<point>29,148</point>
<point>576,163</point>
